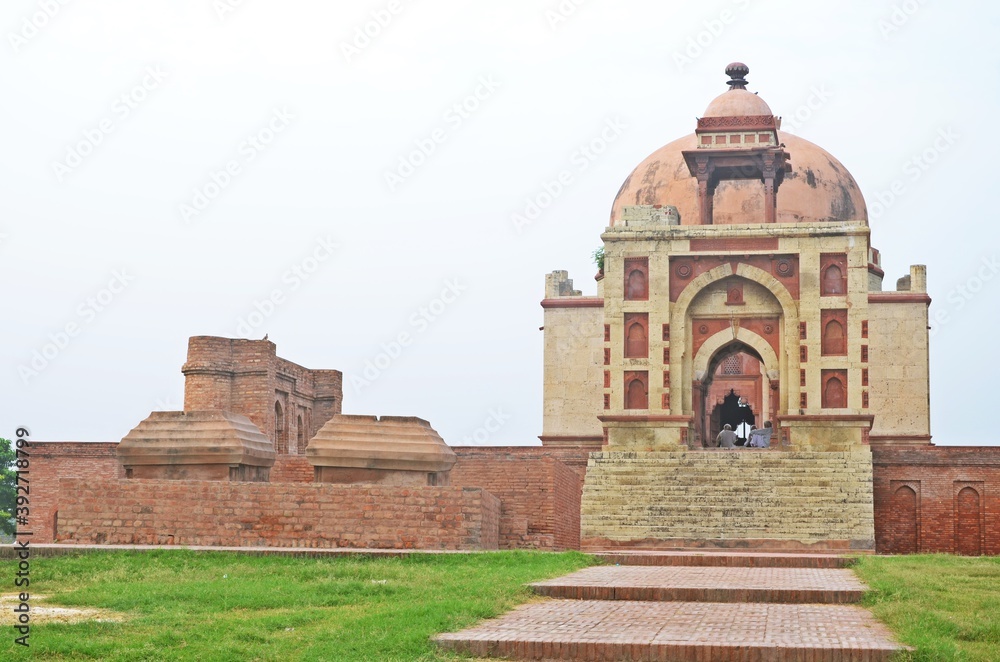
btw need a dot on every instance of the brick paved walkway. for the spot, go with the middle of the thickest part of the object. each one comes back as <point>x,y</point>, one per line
<point>625,630</point>
<point>696,613</point>
<point>706,584</point>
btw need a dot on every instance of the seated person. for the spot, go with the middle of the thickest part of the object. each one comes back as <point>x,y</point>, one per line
<point>761,438</point>
<point>727,438</point>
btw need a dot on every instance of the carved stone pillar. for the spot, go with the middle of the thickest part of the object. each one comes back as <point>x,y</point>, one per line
<point>706,189</point>
<point>770,199</point>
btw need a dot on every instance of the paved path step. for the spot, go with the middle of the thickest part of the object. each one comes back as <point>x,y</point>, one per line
<point>726,559</point>
<point>706,584</point>
<point>676,631</point>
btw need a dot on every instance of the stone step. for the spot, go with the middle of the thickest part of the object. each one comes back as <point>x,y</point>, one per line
<point>641,532</point>
<point>678,632</point>
<point>706,584</point>
<point>725,559</point>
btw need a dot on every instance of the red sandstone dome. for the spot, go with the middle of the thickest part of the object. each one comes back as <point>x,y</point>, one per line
<point>817,189</point>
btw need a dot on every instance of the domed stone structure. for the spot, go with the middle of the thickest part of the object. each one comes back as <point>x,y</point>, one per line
<point>814,187</point>
<point>818,189</point>
<point>739,287</point>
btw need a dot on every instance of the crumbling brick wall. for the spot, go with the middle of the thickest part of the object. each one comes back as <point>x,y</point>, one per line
<point>539,495</point>
<point>51,461</point>
<point>276,515</point>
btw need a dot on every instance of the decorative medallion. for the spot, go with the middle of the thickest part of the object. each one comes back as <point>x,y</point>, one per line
<point>703,329</point>
<point>785,268</point>
<point>683,270</point>
<point>768,328</point>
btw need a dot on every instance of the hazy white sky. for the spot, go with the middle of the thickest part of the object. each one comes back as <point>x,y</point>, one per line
<point>171,167</point>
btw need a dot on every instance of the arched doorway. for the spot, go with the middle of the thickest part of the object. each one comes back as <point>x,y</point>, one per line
<point>709,320</point>
<point>280,440</point>
<point>733,391</point>
<point>734,411</point>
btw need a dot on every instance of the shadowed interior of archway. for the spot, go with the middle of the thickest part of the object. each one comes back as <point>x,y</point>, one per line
<point>739,368</point>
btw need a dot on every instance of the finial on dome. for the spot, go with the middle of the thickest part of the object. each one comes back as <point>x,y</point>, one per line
<point>737,71</point>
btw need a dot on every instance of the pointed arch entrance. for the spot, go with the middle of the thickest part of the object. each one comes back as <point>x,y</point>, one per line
<point>756,383</point>
<point>709,320</point>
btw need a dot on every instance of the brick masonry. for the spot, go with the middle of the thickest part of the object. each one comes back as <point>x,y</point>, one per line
<point>277,515</point>
<point>952,506</point>
<point>540,496</point>
<point>292,469</point>
<point>249,378</point>
<point>939,499</point>
<point>51,461</point>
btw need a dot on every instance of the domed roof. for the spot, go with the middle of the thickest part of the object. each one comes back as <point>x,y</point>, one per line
<point>818,189</point>
<point>737,103</point>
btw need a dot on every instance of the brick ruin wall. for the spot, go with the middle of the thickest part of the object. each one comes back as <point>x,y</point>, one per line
<point>54,460</point>
<point>292,469</point>
<point>940,499</point>
<point>176,512</point>
<point>539,495</point>
<point>247,377</point>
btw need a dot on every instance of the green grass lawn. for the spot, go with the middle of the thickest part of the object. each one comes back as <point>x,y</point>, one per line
<point>219,606</point>
<point>181,605</point>
<point>947,607</point>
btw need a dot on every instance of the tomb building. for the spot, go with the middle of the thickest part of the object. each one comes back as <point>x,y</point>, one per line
<point>738,285</point>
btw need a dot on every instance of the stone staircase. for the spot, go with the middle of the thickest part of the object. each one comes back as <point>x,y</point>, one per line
<point>764,499</point>
<point>681,607</point>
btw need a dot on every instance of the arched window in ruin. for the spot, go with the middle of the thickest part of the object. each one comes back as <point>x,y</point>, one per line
<point>635,395</point>
<point>636,341</point>
<point>833,281</point>
<point>834,394</point>
<point>280,441</point>
<point>301,435</point>
<point>967,525</point>
<point>834,339</point>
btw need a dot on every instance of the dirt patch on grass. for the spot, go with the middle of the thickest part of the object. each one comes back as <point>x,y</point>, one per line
<point>42,613</point>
